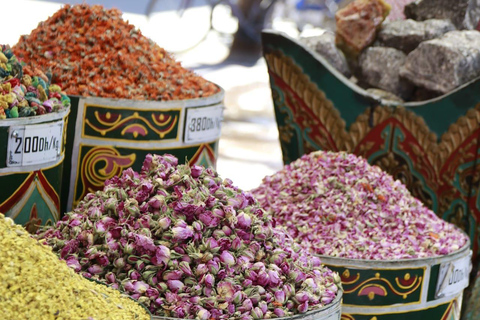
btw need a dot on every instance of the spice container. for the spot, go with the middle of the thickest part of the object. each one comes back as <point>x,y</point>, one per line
<point>429,288</point>
<point>106,136</point>
<point>430,146</point>
<point>33,115</point>
<point>395,257</point>
<point>330,312</point>
<point>129,97</point>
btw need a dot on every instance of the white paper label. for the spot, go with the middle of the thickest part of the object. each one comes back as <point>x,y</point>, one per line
<point>453,276</point>
<point>34,144</point>
<point>203,124</point>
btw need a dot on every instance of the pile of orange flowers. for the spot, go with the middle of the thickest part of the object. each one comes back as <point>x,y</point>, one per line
<point>92,51</point>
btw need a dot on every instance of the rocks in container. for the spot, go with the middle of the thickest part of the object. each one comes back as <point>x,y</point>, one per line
<point>357,24</point>
<point>380,68</point>
<point>413,60</point>
<point>465,14</point>
<point>406,35</point>
<point>445,63</point>
<point>422,94</point>
<point>324,44</point>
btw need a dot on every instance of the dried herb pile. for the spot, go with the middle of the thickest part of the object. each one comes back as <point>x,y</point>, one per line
<point>188,244</point>
<point>35,284</point>
<point>92,51</point>
<point>25,92</point>
<point>338,205</point>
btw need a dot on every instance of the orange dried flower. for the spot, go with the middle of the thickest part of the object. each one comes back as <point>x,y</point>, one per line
<point>90,50</point>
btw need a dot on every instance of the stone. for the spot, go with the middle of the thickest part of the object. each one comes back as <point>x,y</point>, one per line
<point>422,94</point>
<point>324,44</point>
<point>380,68</point>
<point>379,94</point>
<point>464,14</point>
<point>444,63</point>
<point>358,23</point>
<point>406,35</point>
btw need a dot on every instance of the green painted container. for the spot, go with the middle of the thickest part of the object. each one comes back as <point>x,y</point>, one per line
<point>106,136</point>
<point>31,168</point>
<point>431,146</point>
<point>330,312</point>
<point>413,289</point>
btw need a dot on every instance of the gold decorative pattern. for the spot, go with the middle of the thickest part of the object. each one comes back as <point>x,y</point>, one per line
<point>135,117</point>
<point>310,94</point>
<point>323,108</point>
<point>414,124</point>
<point>458,131</point>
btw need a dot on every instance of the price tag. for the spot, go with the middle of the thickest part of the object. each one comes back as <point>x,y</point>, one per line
<point>453,276</point>
<point>203,124</point>
<point>34,144</point>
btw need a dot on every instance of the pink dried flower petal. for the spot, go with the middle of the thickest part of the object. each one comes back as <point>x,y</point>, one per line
<point>182,233</point>
<point>336,204</point>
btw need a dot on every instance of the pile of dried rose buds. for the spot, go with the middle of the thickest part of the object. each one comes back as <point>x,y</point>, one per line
<point>25,92</point>
<point>92,51</point>
<point>188,244</point>
<point>336,204</point>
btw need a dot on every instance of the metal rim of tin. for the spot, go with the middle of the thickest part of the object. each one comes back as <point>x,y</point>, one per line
<point>44,118</point>
<point>196,102</point>
<point>332,305</point>
<point>374,263</point>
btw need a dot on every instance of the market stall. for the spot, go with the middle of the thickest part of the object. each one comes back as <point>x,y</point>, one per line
<point>112,208</point>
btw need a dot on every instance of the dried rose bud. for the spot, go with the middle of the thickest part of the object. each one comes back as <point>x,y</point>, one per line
<point>73,263</point>
<point>257,313</point>
<point>182,233</point>
<point>203,314</point>
<point>227,258</point>
<point>280,296</point>
<point>175,285</point>
<point>209,280</point>
<point>164,223</point>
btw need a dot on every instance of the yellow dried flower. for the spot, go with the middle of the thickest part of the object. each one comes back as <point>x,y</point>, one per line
<point>35,284</point>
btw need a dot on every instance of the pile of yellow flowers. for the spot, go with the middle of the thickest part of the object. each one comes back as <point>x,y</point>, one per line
<point>35,284</point>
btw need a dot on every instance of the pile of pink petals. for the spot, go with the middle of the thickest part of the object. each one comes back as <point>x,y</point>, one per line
<point>336,204</point>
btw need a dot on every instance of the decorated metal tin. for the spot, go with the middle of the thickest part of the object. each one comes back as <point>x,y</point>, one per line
<point>31,167</point>
<point>106,136</point>
<point>430,288</point>
<point>431,146</point>
<point>330,312</point>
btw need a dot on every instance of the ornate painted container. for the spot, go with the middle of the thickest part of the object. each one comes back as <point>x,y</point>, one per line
<point>106,136</point>
<point>431,146</point>
<point>329,312</point>
<point>414,289</point>
<point>31,167</point>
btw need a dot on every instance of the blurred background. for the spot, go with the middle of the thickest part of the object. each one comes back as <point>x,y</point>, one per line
<point>219,40</point>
